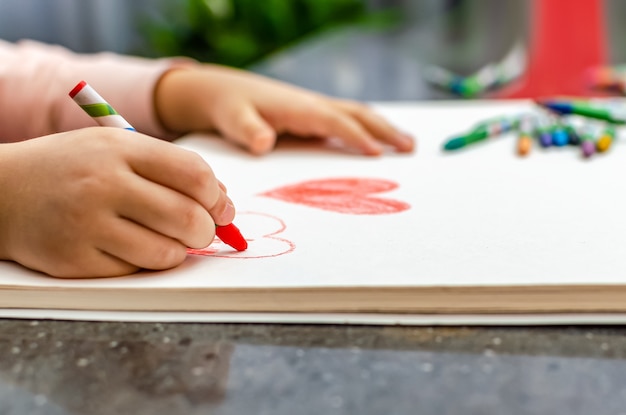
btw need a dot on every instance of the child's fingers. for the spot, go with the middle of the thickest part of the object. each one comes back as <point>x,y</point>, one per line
<point>166,211</point>
<point>106,265</point>
<point>326,121</point>
<point>139,246</point>
<point>183,171</point>
<point>77,262</point>
<point>222,186</point>
<point>241,123</point>
<point>377,125</point>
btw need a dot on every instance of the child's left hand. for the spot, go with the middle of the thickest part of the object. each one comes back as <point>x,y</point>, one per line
<point>252,111</point>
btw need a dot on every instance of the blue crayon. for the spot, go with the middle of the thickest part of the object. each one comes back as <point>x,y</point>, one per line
<point>573,137</point>
<point>544,134</point>
<point>559,135</point>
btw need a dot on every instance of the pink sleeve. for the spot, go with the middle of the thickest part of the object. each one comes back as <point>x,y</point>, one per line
<point>35,80</point>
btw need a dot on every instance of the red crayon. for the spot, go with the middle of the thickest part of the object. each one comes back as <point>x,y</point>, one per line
<point>229,234</point>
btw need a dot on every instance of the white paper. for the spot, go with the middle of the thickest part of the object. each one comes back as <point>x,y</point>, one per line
<point>481,216</point>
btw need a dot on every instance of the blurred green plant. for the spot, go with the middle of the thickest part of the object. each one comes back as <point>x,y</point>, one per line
<point>240,32</point>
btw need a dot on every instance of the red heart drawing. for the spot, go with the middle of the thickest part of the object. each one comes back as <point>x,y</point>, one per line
<point>342,195</point>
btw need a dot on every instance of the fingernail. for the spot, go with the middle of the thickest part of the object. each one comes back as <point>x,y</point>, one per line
<point>375,148</point>
<point>230,207</point>
<point>228,213</point>
<point>263,142</point>
<point>222,186</point>
<point>406,140</point>
<point>406,137</point>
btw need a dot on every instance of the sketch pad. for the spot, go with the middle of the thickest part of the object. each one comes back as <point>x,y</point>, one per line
<point>479,232</point>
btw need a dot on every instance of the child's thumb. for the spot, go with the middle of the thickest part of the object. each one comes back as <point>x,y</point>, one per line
<point>246,127</point>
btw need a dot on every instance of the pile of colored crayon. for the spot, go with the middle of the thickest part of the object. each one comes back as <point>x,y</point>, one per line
<point>556,123</point>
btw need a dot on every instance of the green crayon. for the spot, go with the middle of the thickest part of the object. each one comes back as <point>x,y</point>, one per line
<point>483,130</point>
<point>614,116</point>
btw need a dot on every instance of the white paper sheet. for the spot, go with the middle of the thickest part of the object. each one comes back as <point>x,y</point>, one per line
<point>479,217</point>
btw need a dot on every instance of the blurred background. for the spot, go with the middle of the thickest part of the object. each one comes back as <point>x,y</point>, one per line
<point>374,50</point>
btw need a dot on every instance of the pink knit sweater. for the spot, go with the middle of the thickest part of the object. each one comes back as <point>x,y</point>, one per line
<point>35,79</point>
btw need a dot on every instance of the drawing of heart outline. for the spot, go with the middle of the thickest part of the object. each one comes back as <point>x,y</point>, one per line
<point>260,230</point>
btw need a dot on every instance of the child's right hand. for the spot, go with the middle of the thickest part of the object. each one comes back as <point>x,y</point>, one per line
<point>104,202</point>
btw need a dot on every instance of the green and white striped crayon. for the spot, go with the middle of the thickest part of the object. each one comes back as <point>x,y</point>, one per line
<point>97,107</point>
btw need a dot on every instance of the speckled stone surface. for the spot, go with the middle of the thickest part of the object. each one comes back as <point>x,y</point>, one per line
<point>56,367</point>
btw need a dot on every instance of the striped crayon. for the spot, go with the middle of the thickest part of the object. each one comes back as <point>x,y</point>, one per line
<point>573,138</point>
<point>543,132</point>
<point>463,86</point>
<point>97,107</point>
<point>559,134</point>
<point>606,139</point>
<point>588,140</point>
<point>486,129</point>
<point>526,128</point>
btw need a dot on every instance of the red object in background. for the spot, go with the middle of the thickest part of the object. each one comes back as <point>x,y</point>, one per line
<point>567,39</point>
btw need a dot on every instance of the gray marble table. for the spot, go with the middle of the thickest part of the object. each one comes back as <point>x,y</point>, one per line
<point>56,367</point>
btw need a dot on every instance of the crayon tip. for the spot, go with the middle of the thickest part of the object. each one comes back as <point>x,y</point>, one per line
<point>574,139</point>
<point>230,234</point>
<point>467,87</point>
<point>588,148</point>
<point>556,106</point>
<point>454,144</point>
<point>603,143</point>
<point>79,86</point>
<point>523,145</point>
<point>559,138</point>
<point>545,139</point>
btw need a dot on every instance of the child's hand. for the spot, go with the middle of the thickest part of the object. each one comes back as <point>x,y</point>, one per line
<point>252,110</point>
<point>104,202</point>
